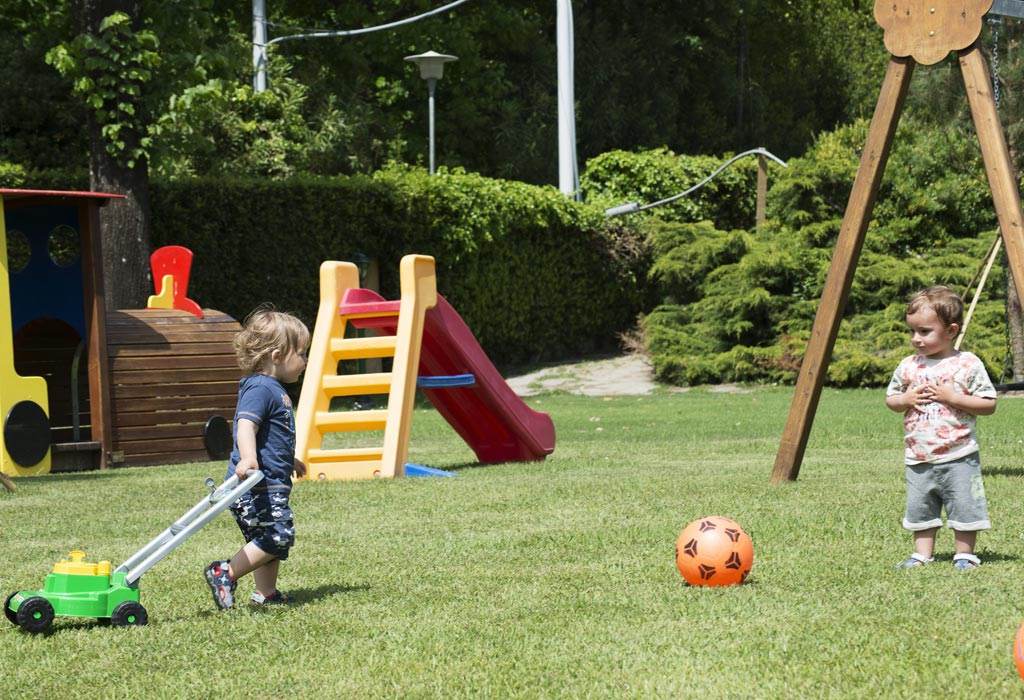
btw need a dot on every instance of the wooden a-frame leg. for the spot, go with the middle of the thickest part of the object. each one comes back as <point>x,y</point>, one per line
<point>840,272</point>
<point>996,155</point>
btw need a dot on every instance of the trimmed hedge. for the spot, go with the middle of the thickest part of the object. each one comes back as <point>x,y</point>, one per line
<point>534,274</point>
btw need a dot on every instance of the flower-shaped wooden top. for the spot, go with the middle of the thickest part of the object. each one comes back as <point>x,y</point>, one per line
<point>927,30</point>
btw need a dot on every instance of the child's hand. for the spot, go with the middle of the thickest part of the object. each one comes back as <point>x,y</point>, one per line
<point>944,391</point>
<point>300,468</point>
<point>244,467</point>
<point>917,396</point>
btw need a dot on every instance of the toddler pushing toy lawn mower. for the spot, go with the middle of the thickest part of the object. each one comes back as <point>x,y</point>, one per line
<point>78,588</point>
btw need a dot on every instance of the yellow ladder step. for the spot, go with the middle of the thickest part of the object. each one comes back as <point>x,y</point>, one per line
<point>356,384</point>
<point>351,454</point>
<point>360,348</point>
<point>349,470</point>
<point>349,421</point>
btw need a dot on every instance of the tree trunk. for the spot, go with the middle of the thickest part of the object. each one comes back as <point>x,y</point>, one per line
<point>125,224</point>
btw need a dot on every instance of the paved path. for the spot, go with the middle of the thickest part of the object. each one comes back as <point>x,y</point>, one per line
<point>629,374</point>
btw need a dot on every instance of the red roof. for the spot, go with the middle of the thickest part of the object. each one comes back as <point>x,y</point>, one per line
<point>10,194</point>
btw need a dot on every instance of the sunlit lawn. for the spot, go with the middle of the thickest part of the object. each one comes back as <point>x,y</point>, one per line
<point>552,579</point>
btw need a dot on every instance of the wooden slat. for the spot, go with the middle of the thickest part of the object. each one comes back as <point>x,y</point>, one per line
<point>160,432</point>
<point>224,403</point>
<point>136,391</point>
<point>157,343</point>
<point>155,442</point>
<point>170,376</point>
<point>151,459</point>
<point>130,361</point>
<point>162,341</point>
<point>123,418</point>
<point>157,317</point>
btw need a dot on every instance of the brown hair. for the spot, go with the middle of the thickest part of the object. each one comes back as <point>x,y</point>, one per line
<point>265,331</point>
<point>946,304</point>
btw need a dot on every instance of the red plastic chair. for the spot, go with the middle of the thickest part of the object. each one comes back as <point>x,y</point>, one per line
<point>171,266</point>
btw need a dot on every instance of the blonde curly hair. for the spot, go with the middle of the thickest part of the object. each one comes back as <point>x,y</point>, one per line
<point>265,331</point>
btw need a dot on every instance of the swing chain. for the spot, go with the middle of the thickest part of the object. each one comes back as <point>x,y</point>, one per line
<point>996,22</point>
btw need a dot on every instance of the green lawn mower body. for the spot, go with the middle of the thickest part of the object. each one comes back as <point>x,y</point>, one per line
<point>78,588</point>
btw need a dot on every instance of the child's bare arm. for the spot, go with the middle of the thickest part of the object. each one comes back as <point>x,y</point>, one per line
<point>245,434</point>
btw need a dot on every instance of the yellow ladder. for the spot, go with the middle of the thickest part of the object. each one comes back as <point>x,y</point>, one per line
<point>329,346</point>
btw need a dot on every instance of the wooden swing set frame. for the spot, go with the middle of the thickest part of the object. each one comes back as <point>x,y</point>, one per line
<point>916,31</point>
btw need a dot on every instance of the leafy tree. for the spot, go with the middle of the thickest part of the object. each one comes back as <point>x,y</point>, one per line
<point>109,62</point>
<point>720,76</point>
<point>40,122</point>
<point>114,62</point>
<point>220,128</point>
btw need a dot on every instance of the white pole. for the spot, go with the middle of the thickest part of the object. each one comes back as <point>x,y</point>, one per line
<point>567,168</point>
<point>259,45</point>
<point>431,87</point>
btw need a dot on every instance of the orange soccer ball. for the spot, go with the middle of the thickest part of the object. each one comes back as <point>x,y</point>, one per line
<point>1018,651</point>
<point>714,551</point>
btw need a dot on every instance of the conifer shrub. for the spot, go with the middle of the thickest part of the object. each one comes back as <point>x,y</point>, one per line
<point>737,305</point>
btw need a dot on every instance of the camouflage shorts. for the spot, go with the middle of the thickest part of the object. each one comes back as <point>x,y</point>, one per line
<point>265,519</point>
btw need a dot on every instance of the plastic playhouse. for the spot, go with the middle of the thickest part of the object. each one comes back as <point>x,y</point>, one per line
<point>83,388</point>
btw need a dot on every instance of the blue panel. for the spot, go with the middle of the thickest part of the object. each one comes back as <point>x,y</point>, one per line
<point>44,289</point>
<point>412,469</point>
<point>444,382</point>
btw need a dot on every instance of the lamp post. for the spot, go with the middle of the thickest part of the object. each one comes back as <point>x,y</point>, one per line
<point>431,66</point>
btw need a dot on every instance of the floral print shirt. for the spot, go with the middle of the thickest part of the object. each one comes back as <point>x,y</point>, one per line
<point>936,433</point>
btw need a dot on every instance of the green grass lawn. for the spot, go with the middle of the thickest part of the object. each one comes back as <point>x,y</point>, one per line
<point>553,579</point>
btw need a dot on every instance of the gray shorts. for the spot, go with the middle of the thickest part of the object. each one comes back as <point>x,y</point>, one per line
<point>956,485</point>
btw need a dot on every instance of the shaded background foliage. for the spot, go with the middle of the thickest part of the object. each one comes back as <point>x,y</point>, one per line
<point>719,76</point>
<point>663,97</point>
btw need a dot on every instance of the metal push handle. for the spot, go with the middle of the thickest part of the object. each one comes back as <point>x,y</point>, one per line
<point>187,525</point>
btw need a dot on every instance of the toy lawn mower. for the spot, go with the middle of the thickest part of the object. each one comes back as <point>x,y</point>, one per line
<point>78,588</point>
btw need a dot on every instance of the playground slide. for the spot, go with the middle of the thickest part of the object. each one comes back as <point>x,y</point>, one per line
<point>489,415</point>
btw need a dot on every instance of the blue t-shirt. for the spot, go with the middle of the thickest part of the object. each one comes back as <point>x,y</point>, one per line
<point>264,401</point>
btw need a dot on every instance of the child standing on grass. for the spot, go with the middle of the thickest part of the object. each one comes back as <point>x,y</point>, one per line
<point>271,349</point>
<point>940,392</point>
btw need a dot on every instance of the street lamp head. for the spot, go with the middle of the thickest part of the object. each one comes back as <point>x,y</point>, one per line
<point>431,64</point>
